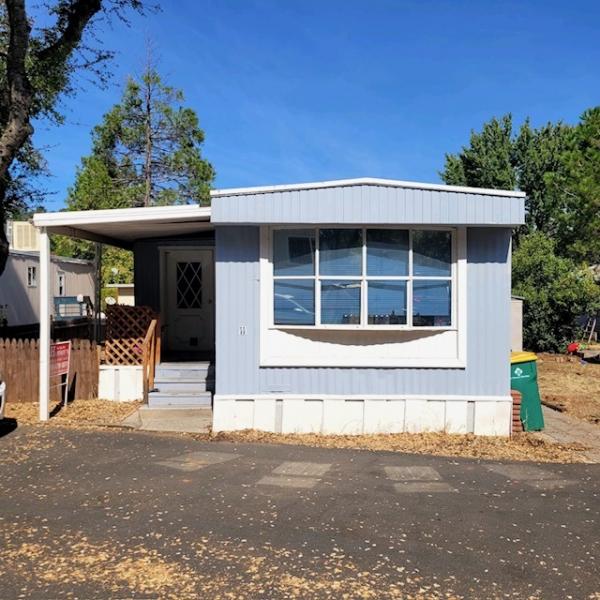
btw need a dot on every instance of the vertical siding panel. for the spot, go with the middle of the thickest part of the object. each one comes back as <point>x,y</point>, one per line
<point>296,209</point>
<point>236,275</point>
<point>454,208</point>
<point>380,203</point>
<point>428,207</point>
<point>409,196</point>
<point>368,204</point>
<point>340,207</point>
<point>436,209</point>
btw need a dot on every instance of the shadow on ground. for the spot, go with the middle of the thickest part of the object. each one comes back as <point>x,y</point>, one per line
<point>7,426</point>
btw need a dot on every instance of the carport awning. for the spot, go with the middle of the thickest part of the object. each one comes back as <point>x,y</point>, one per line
<point>122,226</point>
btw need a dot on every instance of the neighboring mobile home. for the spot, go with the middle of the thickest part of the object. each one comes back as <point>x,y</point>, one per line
<point>19,293</point>
<point>351,306</point>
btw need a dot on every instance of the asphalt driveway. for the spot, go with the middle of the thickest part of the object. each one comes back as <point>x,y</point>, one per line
<point>114,514</point>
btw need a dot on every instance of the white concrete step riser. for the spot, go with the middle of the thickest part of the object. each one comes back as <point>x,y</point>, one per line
<point>192,387</point>
<point>157,401</point>
<point>175,373</point>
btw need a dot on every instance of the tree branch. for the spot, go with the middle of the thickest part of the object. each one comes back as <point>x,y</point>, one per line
<point>17,129</point>
<point>74,19</point>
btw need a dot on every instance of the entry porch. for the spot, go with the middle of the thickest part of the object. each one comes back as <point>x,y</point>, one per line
<point>163,348</point>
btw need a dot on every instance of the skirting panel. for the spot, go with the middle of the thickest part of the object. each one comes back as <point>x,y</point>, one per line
<point>353,416</point>
<point>120,383</point>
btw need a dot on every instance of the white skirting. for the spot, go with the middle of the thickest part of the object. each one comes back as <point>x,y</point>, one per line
<point>120,383</point>
<point>482,415</point>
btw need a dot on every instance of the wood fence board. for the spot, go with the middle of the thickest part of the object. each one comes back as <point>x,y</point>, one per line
<point>19,368</point>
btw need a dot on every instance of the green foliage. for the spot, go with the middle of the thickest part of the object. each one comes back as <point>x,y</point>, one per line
<point>577,184</point>
<point>94,189</point>
<point>146,151</point>
<point>487,161</point>
<point>62,44</point>
<point>556,292</point>
<point>556,165</point>
<point>150,145</point>
<point>500,158</point>
<point>537,155</point>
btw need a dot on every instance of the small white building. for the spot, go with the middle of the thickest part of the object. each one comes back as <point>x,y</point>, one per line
<point>123,293</point>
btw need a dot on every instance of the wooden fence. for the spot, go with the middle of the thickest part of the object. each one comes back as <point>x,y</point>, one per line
<point>19,368</point>
<point>77,329</point>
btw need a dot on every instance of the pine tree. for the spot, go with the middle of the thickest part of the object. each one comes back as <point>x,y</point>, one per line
<point>146,151</point>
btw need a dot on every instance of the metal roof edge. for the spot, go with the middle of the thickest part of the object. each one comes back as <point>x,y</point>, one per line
<point>364,181</point>
<point>54,257</point>
<point>117,215</point>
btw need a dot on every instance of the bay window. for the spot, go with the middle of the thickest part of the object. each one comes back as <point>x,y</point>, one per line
<point>363,277</point>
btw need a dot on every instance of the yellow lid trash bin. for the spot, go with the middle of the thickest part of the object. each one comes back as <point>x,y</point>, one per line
<point>523,377</point>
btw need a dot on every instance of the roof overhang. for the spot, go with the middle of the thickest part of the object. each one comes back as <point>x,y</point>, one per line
<point>121,227</point>
<point>365,200</point>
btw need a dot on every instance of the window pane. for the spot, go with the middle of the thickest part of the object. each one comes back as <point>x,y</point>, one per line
<point>294,252</point>
<point>294,302</point>
<point>340,252</point>
<point>387,302</point>
<point>431,303</point>
<point>387,252</point>
<point>432,253</point>
<point>188,285</point>
<point>340,302</point>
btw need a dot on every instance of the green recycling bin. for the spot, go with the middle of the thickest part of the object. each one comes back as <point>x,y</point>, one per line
<point>523,378</point>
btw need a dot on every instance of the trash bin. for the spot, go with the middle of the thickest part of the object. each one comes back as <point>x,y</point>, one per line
<point>523,377</point>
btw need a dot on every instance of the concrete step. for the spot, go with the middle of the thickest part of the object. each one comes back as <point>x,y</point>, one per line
<point>192,386</point>
<point>187,371</point>
<point>157,399</point>
<point>180,418</point>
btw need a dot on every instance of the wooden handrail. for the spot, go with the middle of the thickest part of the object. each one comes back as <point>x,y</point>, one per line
<point>150,356</point>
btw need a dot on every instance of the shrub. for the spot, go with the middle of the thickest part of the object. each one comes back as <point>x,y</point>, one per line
<point>556,292</point>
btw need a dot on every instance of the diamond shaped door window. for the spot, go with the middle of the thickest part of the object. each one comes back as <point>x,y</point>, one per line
<point>189,285</point>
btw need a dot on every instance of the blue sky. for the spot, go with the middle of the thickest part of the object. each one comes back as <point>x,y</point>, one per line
<point>306,90</point>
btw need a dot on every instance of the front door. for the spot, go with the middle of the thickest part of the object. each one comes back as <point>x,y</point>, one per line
<point>188,307</point>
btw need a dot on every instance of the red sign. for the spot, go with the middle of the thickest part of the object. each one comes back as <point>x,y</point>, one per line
<point>60,358</point>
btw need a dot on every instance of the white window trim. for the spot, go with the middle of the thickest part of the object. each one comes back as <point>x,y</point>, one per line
<point>459,292</point>
<point>61,275</point>
<point>269,278</point>
<point>32,282</point>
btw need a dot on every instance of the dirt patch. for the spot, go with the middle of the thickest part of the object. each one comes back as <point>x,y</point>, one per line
<point>570,385</point>
<point>523,446</point>
<point>81,413</point>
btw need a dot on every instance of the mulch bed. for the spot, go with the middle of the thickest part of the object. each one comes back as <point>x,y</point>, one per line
<point>81,413</point>
<point>521,447</point>
<point>86,414</point>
